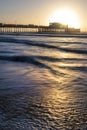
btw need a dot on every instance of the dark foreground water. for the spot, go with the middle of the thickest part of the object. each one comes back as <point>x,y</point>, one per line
<point>43,82</point>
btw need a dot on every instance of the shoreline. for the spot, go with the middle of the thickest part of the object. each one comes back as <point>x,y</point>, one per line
<point>68,35</point>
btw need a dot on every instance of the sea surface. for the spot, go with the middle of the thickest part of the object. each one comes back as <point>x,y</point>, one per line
<point>43,82</point>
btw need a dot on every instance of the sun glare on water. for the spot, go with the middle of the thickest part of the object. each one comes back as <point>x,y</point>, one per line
<point>66,16</point>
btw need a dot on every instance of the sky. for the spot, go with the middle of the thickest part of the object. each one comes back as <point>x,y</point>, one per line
<point>39,11</point>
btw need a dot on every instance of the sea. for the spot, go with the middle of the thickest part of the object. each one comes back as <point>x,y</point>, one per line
<point>43,81</point>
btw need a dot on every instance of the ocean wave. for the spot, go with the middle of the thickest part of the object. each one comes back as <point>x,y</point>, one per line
<point>43,45</point>
<point>42,62</point>
<point>28,59</point>
<point>3,52</point>
<point>67,35</point>
<point>36,59</point>
<point>73,50</point>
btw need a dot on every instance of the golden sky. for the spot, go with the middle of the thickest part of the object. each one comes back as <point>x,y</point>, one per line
<point>43,11</point>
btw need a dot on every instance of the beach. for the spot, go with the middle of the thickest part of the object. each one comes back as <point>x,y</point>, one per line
<point>43,82</point>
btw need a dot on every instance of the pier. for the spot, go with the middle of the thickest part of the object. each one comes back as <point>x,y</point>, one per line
<point>53,27</point>
<point>8,28</point>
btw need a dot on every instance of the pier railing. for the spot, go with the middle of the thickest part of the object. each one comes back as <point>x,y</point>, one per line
<point>17,28</point>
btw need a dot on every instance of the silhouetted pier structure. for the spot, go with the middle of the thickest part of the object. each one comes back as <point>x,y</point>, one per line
<point>17,28</point>
<point>53,27</point>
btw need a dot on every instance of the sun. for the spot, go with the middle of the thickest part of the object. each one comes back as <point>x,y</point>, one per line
<point>66,16</point>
